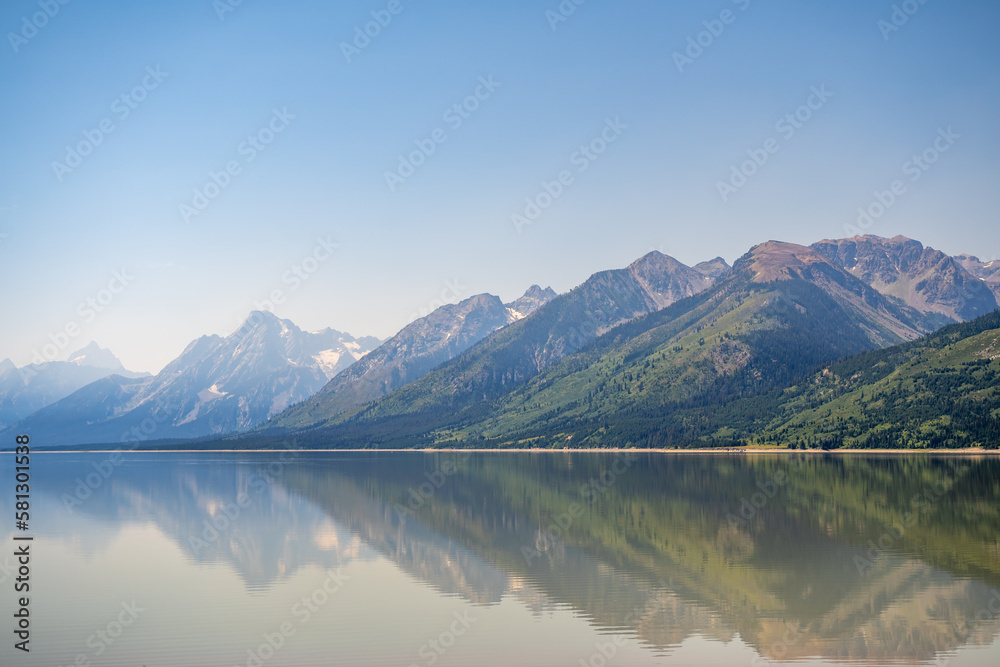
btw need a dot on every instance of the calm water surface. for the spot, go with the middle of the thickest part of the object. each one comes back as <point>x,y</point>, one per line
<point>508,559</point>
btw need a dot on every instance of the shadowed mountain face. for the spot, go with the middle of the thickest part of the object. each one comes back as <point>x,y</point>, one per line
<point>935,392</point>
<point>923,278</point>
<point>809,556</point>
<point>217,385</point>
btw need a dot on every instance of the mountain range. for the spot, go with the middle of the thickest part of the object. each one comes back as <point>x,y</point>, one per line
<point>646,355</point>
<point>216,386</point>
<point>219,386</point>
<point>608,364</point>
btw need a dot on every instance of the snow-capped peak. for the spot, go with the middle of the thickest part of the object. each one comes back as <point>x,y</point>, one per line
<point>95,356</point>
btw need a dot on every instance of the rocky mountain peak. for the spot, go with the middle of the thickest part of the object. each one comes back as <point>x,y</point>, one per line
<point>533,298</point>
<point>95,356</point>
<point>666,280</point>
<point>777,260</point>
<point>921,277</point>
<point>716,269</point>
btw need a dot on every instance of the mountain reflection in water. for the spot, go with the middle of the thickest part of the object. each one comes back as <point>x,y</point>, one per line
<point>842,558</point>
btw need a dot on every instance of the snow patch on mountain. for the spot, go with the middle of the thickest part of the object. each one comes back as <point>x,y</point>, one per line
<point>327,361</point>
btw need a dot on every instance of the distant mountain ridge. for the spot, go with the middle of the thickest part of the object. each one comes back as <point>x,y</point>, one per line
<point>714,269</point>
<point>35,386</point>
<point>988,272</point>
<point>885,322</point>
<point>216,386</point>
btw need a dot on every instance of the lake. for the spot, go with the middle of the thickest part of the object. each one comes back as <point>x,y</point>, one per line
<point>555,558</point>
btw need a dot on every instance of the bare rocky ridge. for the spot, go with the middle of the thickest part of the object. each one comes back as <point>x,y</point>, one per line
<point>776,260</point>
<point>921,277</point>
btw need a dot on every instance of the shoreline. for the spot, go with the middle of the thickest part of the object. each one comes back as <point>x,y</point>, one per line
<point>616,450</point>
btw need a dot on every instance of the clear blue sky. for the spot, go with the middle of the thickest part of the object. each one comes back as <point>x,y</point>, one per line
<point>324,173</point>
